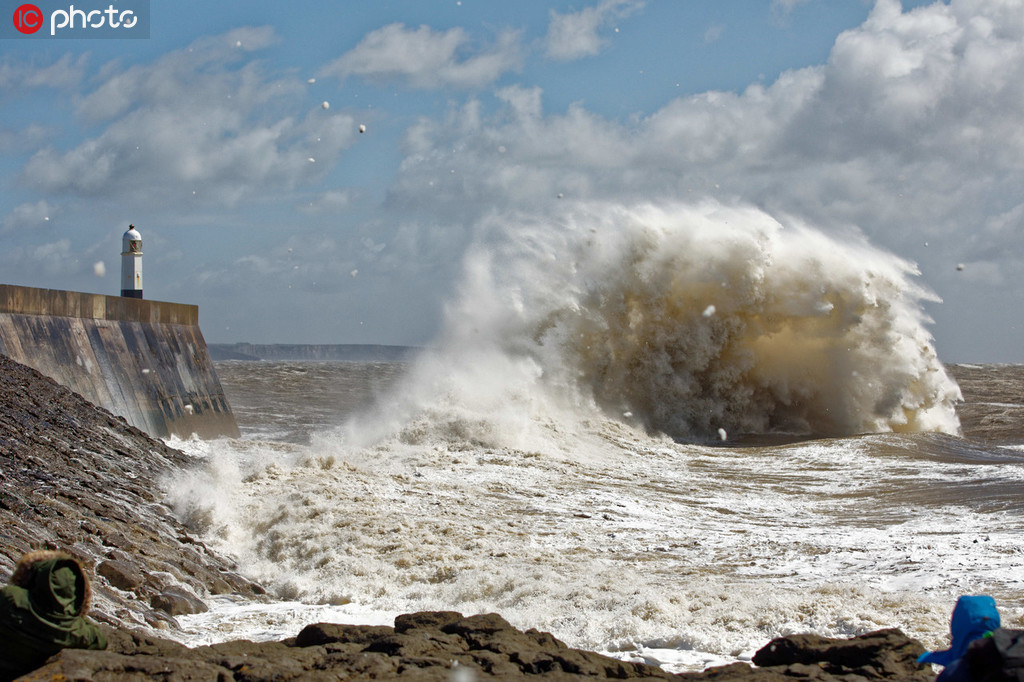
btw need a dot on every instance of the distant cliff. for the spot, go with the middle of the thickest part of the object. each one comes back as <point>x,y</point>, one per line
<point>143,360</point>
<point>316,352</point>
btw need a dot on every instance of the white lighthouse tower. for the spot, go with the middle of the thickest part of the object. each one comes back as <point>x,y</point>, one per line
<point>131,263</point>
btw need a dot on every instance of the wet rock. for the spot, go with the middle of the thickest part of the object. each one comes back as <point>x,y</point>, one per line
<point>427,619</point>
<point>120,574</point>
<point>74,477</point>
<point>330,633</point>
<point>76,664</point>
<point>431,646</point>
<point>886,654</point>
<point>177,601</point>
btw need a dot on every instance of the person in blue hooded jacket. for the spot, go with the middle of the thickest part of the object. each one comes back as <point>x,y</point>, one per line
<point>973,617</point>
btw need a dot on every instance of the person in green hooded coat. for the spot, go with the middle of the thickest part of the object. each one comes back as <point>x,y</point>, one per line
<point>42,610</point>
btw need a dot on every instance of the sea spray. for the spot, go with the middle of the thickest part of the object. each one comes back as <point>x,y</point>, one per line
<point>540,461</point>
<point>642,542</point>
<point>688,320</point>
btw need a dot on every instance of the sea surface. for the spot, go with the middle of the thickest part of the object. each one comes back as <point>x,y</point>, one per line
<point>670,445</point>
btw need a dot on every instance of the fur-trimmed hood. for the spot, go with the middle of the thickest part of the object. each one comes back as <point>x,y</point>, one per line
<point>42,611</point>
<point>40,573</point>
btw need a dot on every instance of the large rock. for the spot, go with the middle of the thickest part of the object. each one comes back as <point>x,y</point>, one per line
<point>446,646</point>
<point>121,574</point>
<point>178,601</point>
<point>76,478</point>
<point>886,654</point>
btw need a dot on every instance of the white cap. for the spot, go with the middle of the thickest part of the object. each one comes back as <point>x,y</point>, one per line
<point>131,235</point>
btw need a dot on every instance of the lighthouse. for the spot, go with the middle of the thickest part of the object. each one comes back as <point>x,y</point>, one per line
<point>131,263</point>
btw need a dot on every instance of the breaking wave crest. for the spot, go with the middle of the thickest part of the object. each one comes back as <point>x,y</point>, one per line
<point>692,321</point>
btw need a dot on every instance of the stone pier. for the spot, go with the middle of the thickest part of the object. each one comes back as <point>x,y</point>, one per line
<point>144,360</point>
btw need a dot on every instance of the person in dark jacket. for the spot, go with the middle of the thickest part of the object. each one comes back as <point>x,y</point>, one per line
<point>42,610</point>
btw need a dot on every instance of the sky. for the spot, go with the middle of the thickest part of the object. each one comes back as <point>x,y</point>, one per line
<point>231,138</point>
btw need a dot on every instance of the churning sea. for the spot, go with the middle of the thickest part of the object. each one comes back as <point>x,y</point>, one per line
<point>665,434</point>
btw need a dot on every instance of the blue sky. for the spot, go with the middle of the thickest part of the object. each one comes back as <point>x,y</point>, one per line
<point>902,124</point>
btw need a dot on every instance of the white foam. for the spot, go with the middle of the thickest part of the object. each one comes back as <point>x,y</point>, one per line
<point>530,465</point>
<point>644,544</point>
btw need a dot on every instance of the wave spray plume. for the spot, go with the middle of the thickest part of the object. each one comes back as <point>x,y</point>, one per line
<point>692,321</point>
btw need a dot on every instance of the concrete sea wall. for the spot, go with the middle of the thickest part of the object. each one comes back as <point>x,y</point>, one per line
<point>144,360</point>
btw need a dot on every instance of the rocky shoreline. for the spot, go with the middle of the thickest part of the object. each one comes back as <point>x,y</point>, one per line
<point>74,477</point>
<point>445,646</point>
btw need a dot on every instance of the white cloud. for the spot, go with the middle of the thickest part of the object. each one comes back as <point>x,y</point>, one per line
<point>912,132</point>
<point>525,102</point>
<point>195,125</point>
<point>27,138</point>
<point>66,72</point>
<point>713,33</point>
<point>425,58</point>
<point>28,216</point>
<point>786,6</point>
<point>49,258</point>
<point>199,73</point>
<point>914,113</point>
<point>577,34</point>
<point>330,201</point>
